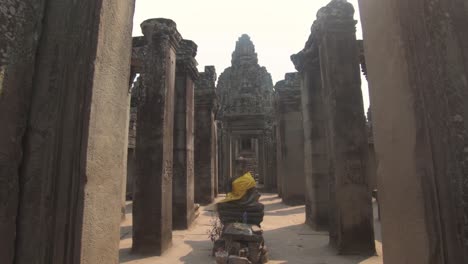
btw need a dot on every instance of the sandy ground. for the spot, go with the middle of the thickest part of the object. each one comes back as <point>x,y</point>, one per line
<point>287,238</point>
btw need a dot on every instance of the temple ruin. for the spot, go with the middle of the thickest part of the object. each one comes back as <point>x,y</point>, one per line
<point>245,92</point>
<point>107,137</point>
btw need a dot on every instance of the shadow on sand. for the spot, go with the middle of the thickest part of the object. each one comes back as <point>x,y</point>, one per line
<point>201,251</point>
<point>299,244</point>
<point>125,231</point>
<point>296,244</point>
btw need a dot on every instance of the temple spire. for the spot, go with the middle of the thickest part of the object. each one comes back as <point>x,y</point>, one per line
<point>244,52</point>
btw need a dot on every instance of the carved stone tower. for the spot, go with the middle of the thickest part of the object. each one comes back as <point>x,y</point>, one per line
<point>246,109</point>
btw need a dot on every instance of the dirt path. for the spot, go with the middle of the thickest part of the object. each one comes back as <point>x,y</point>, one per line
<point>288,240</point>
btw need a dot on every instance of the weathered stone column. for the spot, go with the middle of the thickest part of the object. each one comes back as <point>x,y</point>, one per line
<point>152,199</point>
<point>183,180</point>
<point>316,156</point>
<point>216,159</point>
<point>69,145</point>
<point>131,155</point>
<point>270,161</point>
<point>351,229</point>
<point>138,47</point>
<point>291,136</point>
<point>261,160</point>
<point>418,72</point>
<point>225,151</point>
<point>279,165</point>
<point>221,156</point>
<point>20,21</point>
<point>205,103</point>
<point>339,136</point>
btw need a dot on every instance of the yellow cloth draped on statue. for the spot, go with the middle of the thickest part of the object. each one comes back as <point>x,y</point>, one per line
<point>240,186</point>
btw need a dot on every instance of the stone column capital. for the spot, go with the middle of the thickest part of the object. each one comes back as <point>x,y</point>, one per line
<point>205,97</point>
<point>307,59</point>
<point>205,89</point>
<point>186,58</point>
<point>156,28</point>
<point>288,93</point>
<point>337,16</point>
<point>138,45</point>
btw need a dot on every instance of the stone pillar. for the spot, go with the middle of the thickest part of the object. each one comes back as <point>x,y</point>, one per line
<point>372,161</point>
<point>316,166</point>
<point>291,151</point>
<point>138,44</point>
<point>205,103</point>
<point>226,159</point>
<point>152,199</point>
<point>72,157</point>
<point>216,160</point>
<point>279,165</point>
<point>183,179</point>
<point>128,152</point>
<point>221,157</point>
<point>261,160</point>
<point>419,90</point>
<point>351,229</point>
<point>20,20</point>
<point>270,162</point>
<point>131,155</point>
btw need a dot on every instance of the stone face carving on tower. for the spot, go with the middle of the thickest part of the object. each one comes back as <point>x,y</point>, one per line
<point>329,65</point>
<point>245,92</point>
<point>245,87</point>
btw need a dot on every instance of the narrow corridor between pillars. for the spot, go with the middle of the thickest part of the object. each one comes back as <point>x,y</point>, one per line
<point>288,239</point>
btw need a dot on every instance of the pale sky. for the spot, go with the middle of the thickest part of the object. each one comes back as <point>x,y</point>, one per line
<point>278,29</point>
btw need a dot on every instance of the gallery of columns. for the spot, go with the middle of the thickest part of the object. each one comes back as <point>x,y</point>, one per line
<point>86,128</point>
